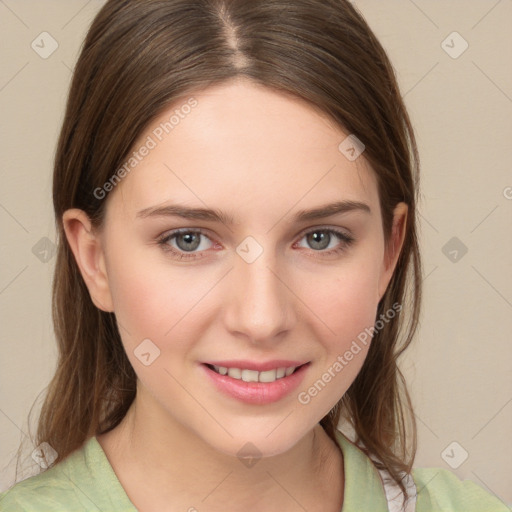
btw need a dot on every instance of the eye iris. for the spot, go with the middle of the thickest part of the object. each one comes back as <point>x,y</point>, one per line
<point>319,239</point>
<point>189,238</point>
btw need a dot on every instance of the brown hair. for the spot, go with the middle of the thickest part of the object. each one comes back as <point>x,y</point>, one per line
<point>139,56</point>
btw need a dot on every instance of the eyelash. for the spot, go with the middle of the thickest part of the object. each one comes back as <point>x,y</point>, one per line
<point>346,240</point>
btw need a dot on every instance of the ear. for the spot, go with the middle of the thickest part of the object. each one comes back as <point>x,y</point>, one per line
<point>88,251</point>
<point>393,247</point>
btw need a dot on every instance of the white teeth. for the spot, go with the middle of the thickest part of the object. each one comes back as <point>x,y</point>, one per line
<point>221,369</point>
<point>249,376</point>
<point>235,373</point>
<point>253,375</point>
<point>268,376</point>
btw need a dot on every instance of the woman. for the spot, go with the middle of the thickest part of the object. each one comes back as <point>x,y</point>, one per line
<point>235,192</point>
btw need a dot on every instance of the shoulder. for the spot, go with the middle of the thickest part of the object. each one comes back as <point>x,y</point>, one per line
<point>84,481</point>
<point>47,491</point>
<point>58,488</point>
<point>440,489</point>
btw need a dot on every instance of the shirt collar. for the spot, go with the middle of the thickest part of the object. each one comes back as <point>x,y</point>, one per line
<point>363,486</point>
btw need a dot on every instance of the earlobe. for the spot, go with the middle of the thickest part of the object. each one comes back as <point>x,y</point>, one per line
<point>89,256</point>
<point>394,246</point>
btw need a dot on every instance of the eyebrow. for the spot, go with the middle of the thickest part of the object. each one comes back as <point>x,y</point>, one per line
<point>215,215</point>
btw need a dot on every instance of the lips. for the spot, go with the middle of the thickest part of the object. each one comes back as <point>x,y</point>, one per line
<point>256,383</point>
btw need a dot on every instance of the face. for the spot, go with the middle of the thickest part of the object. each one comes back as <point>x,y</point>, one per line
<point>219,254</point>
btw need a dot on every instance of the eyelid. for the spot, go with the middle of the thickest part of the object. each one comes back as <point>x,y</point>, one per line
<point>344,237</point>
<point>163,240</point>
<point>334,229</point>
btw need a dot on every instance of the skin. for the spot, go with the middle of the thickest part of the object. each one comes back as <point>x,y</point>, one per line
<point>268,155</point>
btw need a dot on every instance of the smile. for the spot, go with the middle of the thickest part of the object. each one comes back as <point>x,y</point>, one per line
<point>256,383</point>
<point>253,375</point>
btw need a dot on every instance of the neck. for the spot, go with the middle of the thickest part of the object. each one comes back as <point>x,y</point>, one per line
<point>160,463</point>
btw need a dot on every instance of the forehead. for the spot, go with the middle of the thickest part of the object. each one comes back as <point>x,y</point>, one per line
<point>247,146</point>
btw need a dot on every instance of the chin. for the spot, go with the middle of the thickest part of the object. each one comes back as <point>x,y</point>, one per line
<point>257,442</point>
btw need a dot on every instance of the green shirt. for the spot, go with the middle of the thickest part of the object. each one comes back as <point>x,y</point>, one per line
<point>85,481</point>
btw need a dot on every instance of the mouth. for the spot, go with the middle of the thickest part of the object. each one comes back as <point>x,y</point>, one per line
<point>248,375</point>
<point>256,383</point>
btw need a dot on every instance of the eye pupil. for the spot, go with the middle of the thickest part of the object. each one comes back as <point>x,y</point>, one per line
<point>319,239</point>
<point>189,238</point>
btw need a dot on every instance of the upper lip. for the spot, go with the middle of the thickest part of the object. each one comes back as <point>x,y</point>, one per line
<point>259,367</point>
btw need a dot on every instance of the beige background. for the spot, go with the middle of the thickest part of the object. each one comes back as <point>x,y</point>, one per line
<point>459,367</point>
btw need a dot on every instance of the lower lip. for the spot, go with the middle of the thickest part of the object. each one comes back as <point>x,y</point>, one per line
<point>257,392</point>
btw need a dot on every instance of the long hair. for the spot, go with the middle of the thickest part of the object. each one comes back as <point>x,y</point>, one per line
<point>139,57</point>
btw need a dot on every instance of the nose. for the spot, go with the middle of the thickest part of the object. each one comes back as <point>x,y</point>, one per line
<point>259,305</point>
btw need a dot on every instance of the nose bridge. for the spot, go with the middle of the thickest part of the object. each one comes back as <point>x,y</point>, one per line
<point>260,306</point>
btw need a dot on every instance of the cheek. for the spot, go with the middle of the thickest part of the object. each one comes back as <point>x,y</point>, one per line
<point>162,302</point>
<point>348,308</point>
<point>148,299</point>
<point>346,300</point>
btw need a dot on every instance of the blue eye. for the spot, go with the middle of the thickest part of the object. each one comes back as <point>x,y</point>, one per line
<point>321,238</point>
<point>187,243</point>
